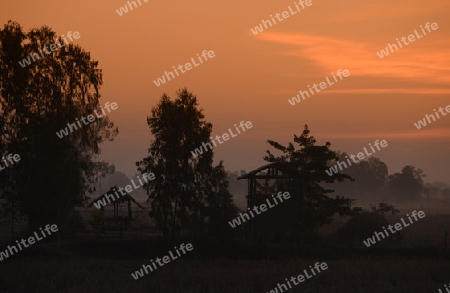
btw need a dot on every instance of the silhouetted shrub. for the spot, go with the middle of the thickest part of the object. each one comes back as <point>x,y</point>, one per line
<point>362,226</point>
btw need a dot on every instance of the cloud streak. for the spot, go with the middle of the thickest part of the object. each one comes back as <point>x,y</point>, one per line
<point>413,62</point>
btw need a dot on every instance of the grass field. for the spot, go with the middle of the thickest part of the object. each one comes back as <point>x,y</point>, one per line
<point>78,274</point>
<point>88,264</point>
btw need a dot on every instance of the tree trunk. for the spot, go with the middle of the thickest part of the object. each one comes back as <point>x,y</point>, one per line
<point>174,218</point>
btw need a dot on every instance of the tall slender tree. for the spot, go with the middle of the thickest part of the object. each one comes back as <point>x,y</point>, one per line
<point>187,189</point>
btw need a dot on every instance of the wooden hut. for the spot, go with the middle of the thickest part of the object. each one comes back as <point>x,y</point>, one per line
<point>117,212</point>
<point>279,221</point>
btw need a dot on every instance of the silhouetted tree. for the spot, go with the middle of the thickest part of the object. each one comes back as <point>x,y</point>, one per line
<point>370,176</point>
<point>364,222</point>
<point>361,226</point>
<point>37,101</point>
<point>221,207</point>
<point>311,160</point>
<point>187,190</point>
<point>408,184</point>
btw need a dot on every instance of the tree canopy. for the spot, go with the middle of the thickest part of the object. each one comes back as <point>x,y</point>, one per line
<point>37,101</point>
<point>311,160</point>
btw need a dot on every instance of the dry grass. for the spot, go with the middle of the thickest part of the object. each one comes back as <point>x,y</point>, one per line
<point>90,266</point>
<point>90,275</point>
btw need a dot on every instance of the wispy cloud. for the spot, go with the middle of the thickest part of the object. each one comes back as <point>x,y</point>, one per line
<point>413,61</point>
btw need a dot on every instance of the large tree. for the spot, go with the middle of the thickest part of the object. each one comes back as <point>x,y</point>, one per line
<point>408,184</point>
<point>311,160</point>
<point>370,176</point>
<point>37,101</point>
<point>188,191</point>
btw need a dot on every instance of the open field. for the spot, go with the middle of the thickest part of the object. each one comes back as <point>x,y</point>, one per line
<point>89,264</point>
<point>80,274</point>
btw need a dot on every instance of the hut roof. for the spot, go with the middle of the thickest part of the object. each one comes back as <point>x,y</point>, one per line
<point>121,199</point>
<point>284,167</point>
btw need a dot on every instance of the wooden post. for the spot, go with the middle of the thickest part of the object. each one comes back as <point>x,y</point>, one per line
<point>445,241</point>
<point>12,220</point>
<point>351,240</point>
<point>121,229</point>
<point>130,215</point>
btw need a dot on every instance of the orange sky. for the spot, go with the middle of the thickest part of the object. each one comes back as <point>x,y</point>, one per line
<point>252,76</point>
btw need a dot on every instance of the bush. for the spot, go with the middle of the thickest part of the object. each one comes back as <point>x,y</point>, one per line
<point>362,226</point>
